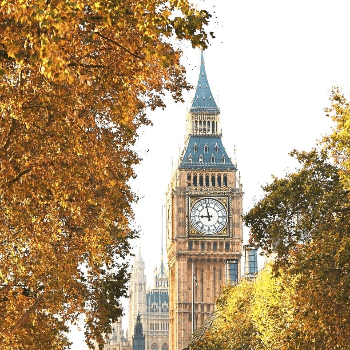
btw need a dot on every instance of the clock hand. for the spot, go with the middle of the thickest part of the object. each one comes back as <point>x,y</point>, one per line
<point>209,216</point>
<point>206,216</point>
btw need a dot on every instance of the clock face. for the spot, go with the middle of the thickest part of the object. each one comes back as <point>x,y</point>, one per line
<point>208,216</point>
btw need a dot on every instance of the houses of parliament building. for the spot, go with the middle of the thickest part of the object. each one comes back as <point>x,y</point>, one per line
<point>204,238</point>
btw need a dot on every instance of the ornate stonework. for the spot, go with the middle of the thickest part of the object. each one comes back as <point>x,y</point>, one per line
<point>203,220</point>
<point>117,340</point>
<point>137,294</point>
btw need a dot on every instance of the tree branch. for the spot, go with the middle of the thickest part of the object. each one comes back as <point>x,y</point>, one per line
<point>23,318</point>
<point>12,130</point>
<point>8,183</point>
<point>117,44</point>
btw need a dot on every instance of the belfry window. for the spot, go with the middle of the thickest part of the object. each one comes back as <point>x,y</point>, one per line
<point>225,181</point>
<point>190,246</point>
<point>200,180</point>
<point>213,180</point>
<point>219,180</point>
<point>207,180</point>
<point>227,246</point>
<point>215,246</point>
<point>206,149</point>
<point>195,147</point>
<point>202,245</point>
<point>194,180</point>
<point>189,179</point>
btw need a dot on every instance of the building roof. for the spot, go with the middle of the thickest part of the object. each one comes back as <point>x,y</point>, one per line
<point>205,152</point>
<point>203,99</point>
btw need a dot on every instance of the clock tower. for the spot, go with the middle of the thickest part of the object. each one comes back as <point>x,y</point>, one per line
<point>203,220</point>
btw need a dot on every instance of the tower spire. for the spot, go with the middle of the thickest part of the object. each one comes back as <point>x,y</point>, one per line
<point>203,99</point>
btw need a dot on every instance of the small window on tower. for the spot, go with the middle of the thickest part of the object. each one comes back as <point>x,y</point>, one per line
<point>219,180</point>
<point>202,245</point>
<point>190,158</point>
<point>195,148</point>
<point>206,149</point>
<point>223,159</point>
<point>212,159</point>
<point>189,178</point>
<point>190,246</point>
<point>225,181</point>
<point>216,148</point>
<point>194,180</point>
<point>215,246</point>
<point>200,159</point>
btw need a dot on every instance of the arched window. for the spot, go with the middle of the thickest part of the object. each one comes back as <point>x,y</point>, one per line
<point>213,180</point>
<point>225,181</point>
<point>212,159</point>
<point>189,178</point>
<point>209,246</point>
<point>200,159</point>
<point>215,246</point>
<point>207,180</point>
<point>227,246</point>
<point>219,180</point>
<point>206,149</point>
<point>154,346</point>
<point>213,127</point>
<point>190,246</point>
<point>202,245</point>
<point>194,180</point>
<point>223,159</point>
<point>195,148</point>
<point>190,158</point>
<point>201,180</point>
<point>216,148</point>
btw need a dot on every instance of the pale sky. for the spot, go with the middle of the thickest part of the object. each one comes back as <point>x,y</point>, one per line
<point>271,69</point>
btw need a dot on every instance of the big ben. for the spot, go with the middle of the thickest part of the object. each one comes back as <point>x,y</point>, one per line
<point>203,219</point>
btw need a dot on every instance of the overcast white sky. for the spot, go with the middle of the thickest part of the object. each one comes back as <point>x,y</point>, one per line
<point>271,69</point>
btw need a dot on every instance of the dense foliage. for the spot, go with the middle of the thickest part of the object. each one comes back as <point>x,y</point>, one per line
<point>75,81</point>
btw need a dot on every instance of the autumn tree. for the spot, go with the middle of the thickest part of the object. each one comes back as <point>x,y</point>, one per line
<point>76,79</point>
<point>338,143</point>
<point>304,220</point>
<point>232,326</point>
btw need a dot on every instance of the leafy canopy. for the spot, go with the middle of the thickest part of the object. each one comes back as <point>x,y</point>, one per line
<point>75,81</point>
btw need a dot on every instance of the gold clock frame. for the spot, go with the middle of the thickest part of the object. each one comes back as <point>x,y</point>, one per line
<point>192,232</point>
